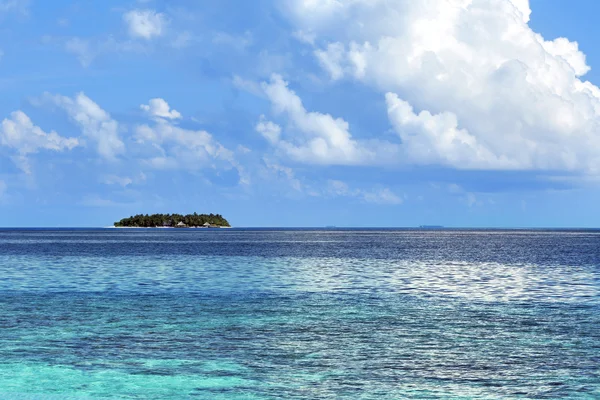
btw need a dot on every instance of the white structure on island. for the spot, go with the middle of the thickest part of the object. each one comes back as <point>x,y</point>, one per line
<point>206,225</point>
<point>181,225</point>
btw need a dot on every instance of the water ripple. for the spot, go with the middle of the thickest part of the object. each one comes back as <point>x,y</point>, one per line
<point>299,314</point>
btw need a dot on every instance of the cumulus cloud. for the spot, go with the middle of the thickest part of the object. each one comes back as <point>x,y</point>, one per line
<point>332,59</point>
<point>187,146</point>
<point>179,147</point>
<point>270,130</point>
<point>19,133</point>
<point>95,123</point>
<point>489,92</point>
<point>161,109</point>
<point>437,139</point>
<point>315,137</point>
<point>145,24</point>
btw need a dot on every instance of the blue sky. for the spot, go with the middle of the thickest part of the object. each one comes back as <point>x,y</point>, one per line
<point>481,113</point>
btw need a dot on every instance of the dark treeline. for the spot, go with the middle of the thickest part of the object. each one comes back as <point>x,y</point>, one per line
<point>157,220</point>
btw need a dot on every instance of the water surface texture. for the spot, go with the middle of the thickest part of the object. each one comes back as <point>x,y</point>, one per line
<point>299,314</point>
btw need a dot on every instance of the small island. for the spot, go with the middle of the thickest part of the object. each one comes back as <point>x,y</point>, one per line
<point>174,221</point>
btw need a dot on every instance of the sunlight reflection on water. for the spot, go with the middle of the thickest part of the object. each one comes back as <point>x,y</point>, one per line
<point>472,281</point>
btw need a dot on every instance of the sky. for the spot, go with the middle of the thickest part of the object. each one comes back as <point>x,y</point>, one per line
<point>301,113</point>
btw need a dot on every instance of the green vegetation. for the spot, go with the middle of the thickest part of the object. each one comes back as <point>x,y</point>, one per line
<point>162,220</point>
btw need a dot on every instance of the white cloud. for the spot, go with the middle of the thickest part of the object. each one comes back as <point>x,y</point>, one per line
<point>163,132</point>
<point>19,133</point>
<point>247,85</point>
<point>95,123</point>
<point>332,59</point>
<point>522,7</point>
<point>284,173</point>
<point>270,130</point>
<point>182,148</point>
<point>472,200</point>
<point>338,188</point>
<point>81,48</point>
<point>145,24</point>
<point>383,196</point>
<point>305,37</point>
<point>490,93</point>
<point>242,149</point>
<point>276,172</point>
<point>123,181</point>
<point>469,198</point>
<point>160,108</point>
<point>454,188</point>
<point>376,196</point>
<point>436,139</point>
<point>314,137</point>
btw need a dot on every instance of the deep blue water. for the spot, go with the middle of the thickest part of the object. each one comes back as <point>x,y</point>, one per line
<point>267,314</point>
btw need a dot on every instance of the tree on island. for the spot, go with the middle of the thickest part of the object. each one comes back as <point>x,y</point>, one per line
<point>171,220</point>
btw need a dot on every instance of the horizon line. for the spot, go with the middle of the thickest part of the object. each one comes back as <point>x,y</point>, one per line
<point>424,227</point>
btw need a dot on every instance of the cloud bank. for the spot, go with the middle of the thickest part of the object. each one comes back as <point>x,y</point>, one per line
<point>468,84</point>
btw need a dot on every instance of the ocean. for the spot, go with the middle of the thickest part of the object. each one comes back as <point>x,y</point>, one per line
<point>299,314</point>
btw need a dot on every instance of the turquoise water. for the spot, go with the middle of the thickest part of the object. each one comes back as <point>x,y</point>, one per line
<point>299,314</point>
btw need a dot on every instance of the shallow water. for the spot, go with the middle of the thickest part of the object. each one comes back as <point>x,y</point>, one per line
<point>257,314</point>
